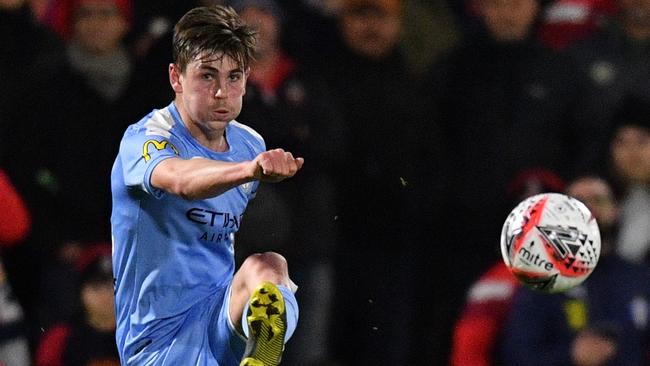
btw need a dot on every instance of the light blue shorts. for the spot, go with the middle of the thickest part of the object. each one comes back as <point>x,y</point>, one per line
<point>202,336</point>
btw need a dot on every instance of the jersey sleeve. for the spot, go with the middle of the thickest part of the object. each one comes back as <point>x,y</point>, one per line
<point>253,194</point>
<point>140,153</point>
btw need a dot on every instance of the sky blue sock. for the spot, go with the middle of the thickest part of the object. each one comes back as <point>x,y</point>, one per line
<point>292,311</point>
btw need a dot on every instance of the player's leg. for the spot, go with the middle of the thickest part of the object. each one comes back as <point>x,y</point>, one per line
<point>263,305</point>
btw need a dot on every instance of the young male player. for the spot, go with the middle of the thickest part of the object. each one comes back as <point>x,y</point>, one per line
<point>180,184</point>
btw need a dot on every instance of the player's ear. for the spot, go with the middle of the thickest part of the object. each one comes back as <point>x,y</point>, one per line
<point>175,78</point>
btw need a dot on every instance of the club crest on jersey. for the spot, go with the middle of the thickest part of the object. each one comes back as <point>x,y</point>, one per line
<point>158,145</point>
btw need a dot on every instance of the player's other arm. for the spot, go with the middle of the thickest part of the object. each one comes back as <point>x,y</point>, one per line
<point>200,178</point>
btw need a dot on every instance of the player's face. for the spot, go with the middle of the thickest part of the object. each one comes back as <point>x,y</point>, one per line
<point>210,90</point>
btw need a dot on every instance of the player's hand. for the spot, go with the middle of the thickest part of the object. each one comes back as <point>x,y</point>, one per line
<point>276,165</point>
<point>592,349</point>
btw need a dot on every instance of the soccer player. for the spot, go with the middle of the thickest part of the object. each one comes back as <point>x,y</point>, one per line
<point>180,184</point>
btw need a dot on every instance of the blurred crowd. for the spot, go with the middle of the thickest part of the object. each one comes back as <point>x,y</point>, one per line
<point>422,123</point>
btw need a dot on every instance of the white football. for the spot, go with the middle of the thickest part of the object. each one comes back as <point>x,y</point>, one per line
<point>550,242</point>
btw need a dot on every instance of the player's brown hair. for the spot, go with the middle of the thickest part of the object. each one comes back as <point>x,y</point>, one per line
<point>210,31</point>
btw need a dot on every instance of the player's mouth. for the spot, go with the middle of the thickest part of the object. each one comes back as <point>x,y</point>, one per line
<point>221,111</point>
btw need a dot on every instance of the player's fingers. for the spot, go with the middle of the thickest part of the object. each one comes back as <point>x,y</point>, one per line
<point>275,162</point>
<point>279,163</point>
<point>279,158</point>
<point>266,163</point>
<point>296,164</point>
<point>289,165</point>
<point>299,163</point>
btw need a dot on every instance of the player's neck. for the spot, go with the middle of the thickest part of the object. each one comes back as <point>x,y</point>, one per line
<point>209,136</point>
<point>214,141</point>
<point>212,135</point>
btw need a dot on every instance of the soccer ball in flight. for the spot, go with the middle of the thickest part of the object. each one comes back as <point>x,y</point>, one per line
<point>550,242</point>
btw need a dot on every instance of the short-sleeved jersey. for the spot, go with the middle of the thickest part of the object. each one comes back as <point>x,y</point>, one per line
<point>170,253</point>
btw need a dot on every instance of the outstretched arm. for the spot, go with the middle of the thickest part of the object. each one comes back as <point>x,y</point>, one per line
<point>200,178</point>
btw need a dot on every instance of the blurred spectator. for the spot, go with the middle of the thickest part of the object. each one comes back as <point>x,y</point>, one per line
<point>630,164</point>
<point>611,64</point>
<point>568,21</point>
<point>63,139</point>
<point>430,32</point>
<point>14,226</point>
<point>88,339</point>
<point>291,107</point>
<point>64,16</point>
<point>477,332</point>
<point>504,103</point>
<point>65,163</point>
<point>29,53</point>
<point>371,29</point>
<point>603,321</point>
<point>381,182</point>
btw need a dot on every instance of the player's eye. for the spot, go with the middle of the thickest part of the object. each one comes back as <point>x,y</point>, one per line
<point>236,76</point>
<point>207,76</point>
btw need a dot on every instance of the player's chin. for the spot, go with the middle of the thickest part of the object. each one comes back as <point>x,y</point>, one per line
<point>219,123</point>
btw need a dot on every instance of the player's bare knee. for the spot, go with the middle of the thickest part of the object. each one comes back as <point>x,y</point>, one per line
<point>268,261</point>
<point>267,266</point>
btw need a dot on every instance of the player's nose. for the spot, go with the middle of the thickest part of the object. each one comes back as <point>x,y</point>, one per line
<point>220,93</point>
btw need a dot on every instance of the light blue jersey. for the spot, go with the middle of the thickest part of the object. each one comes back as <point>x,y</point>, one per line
<point>170,255</point>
